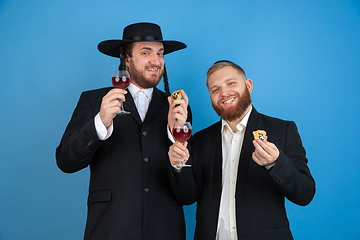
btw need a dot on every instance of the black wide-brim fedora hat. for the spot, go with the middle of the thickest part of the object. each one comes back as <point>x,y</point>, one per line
<point>139,32</point>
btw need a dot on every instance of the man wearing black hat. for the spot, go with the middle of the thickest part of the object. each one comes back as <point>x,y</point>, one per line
<point>242,183</point>
<point>130,196</point>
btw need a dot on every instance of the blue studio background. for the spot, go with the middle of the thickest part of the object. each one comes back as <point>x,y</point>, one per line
<point>303,57</point>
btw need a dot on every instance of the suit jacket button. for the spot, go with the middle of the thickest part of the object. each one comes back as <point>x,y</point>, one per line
<point>144,133</point>
<point>146,159</point>
<point>89,143</point>
<point>146,189</point>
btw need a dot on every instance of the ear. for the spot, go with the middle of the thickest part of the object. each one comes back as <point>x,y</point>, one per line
<point>249,84</point>
<point>127,60</point>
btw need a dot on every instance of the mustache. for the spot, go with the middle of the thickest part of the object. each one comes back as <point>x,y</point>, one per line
<point>153,66</point>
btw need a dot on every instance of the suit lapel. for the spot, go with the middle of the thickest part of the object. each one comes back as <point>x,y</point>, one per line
<point>217,171</point>
<point>246,155</point>
<point>156,104</point>
<point>129,105</point>
<point>158,101</point>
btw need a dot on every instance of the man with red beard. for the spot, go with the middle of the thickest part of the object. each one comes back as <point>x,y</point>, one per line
<point>242,183</point>
<point>130,196</point>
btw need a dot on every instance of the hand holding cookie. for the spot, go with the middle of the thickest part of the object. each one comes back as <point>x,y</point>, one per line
<point>178,104</point>
<point>266,153</point>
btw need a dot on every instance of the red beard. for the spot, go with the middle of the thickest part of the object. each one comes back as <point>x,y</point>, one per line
<point>139,78</point>
<point>231,114</point>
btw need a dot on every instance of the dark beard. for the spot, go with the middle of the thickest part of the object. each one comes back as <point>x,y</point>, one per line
<point>139,79</point>
<point>238,111</point>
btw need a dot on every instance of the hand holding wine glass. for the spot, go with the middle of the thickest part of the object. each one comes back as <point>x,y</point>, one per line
<point>182,132</point>
<point>121,79</point>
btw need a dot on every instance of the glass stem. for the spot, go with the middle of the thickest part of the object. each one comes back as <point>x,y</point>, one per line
<point>121,105</point>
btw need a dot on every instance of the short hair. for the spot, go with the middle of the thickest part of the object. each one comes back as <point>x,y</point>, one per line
<point>221,64</point>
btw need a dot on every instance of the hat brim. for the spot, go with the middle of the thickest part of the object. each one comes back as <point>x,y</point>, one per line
<point>112,47</point>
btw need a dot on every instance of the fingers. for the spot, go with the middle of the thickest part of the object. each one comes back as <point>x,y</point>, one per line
<point>178,108</point>
<point>111,104</point>
<point>185,97</point>
<point>178,152</point>
<point>265,153</point>
<point>169,100</point>
<point>115,94</point>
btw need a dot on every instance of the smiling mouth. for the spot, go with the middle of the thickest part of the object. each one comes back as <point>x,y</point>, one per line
<point>229,101</point>
<point>154,69</point>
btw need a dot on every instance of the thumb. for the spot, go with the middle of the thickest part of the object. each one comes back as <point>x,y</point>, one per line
<point>169,100</point>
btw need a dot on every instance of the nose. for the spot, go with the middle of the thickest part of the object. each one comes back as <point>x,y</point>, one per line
<point>155,59</point>
<point>224,91</point>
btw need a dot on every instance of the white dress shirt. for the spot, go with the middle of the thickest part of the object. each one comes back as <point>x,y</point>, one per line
<point>231,149</point>
<point>142,98</point>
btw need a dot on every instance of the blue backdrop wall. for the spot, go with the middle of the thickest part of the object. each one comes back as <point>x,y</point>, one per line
<point>303,57</point>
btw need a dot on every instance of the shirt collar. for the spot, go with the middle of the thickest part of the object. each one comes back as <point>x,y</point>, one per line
<point>241,125</point>
<point>135,89</point>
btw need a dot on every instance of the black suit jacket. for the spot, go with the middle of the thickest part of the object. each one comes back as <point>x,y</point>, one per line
<point>130,196</point>
<point>260,194</point>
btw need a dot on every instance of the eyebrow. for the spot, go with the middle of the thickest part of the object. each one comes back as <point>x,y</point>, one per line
<point>211,89</point>
<point>227,80</point>
<point>150,49</point>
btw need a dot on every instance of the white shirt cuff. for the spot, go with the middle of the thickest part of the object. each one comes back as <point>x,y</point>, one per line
<point>269,166</point>
<point>101,130</point>
<point>170,136</point>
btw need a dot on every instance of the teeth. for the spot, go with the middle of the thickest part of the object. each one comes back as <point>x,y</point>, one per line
<point>229,101</point>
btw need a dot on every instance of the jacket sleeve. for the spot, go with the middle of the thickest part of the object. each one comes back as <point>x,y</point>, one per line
<point>80,140</point>
<point>291,173</point>
<point>182,183</point>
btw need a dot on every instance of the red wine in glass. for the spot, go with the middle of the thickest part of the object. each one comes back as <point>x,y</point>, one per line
<point>120,82</point>
<point>182,132</point>
<point>121,79</point>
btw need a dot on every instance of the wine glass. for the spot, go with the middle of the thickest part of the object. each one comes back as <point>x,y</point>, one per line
<point>121,79</point>
<point>182,132</point>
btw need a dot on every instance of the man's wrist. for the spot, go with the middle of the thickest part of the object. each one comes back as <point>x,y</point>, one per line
<point>102,131</point>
